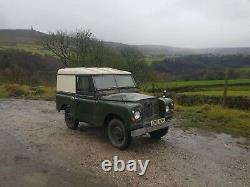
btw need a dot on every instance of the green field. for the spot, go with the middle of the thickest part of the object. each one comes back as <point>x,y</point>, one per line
<point>175,84</point>
<point>149,59</point>
<point>219,91</point>
<point>245,69</point>
<point>207,84</point>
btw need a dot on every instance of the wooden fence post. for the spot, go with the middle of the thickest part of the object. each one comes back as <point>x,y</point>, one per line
<point>225,87</point>
<point>153,87</point>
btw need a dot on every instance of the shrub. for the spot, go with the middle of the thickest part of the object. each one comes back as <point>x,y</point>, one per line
<point>16,90</point>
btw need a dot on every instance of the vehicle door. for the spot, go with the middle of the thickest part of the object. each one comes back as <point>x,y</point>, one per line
<point>85,99</point>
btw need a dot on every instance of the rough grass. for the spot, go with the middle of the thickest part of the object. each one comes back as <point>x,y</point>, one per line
<point>24,91</point>
<point>215,118</point>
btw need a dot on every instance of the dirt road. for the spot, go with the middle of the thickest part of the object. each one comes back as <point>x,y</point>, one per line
<point>36,149</point>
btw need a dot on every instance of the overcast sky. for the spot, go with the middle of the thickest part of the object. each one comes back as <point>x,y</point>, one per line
<point>182,23</point>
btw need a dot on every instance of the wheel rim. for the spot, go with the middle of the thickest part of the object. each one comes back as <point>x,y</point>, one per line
<point>117,134</point>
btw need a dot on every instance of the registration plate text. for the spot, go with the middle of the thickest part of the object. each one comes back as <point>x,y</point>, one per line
<point>157,122</point>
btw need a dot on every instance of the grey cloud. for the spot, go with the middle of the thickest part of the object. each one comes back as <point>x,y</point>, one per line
<point>184,23</point>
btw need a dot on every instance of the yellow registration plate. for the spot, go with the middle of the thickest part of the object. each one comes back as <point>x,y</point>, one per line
<point>157,122</point>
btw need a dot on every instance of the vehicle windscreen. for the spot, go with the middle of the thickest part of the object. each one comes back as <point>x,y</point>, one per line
<point>113,81</point>
<point>124,81</point>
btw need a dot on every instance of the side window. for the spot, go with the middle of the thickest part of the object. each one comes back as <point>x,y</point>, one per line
<point>85,85</point>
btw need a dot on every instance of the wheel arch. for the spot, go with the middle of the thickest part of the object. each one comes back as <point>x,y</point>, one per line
<point>111,116</point>
<point>63,106</point>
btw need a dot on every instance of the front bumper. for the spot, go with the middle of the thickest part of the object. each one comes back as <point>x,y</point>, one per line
<point>147,128</point>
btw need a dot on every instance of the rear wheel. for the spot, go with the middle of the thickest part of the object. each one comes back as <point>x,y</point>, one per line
<point>70,121</point>
<point>159,133</point>
<point>118,134</point>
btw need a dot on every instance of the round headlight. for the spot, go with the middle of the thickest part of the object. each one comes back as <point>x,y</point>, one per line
<point>167,108</point>
<point>137,115</point>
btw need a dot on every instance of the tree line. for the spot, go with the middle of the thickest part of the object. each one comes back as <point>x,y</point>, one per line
<point>69,49</point>
<point>82,49</point>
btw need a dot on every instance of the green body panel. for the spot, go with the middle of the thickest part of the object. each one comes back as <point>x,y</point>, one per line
<point>130,97</point>
<point>95,110</point>
<point>122,110</point>
<point>85,108</point>
<point>63,99</point>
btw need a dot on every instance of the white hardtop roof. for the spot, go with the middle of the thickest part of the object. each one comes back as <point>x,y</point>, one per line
<point>91,71</point>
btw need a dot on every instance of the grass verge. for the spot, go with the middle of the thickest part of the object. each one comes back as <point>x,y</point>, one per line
<point>215,118</point>
<point>24,91</point>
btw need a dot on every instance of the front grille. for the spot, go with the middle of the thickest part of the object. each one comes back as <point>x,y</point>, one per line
<point>150,107</point>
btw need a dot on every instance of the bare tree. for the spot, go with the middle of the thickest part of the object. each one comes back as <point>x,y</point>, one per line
<point>132,57</point>
<point>98,55</point>
<point>79,48</point>
<point>59,44</point>
<point>82,45</point>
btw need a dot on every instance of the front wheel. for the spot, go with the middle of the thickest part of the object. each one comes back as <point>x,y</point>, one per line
<point>158,133</point>
<point>70,121</point>
<point>118,134</point>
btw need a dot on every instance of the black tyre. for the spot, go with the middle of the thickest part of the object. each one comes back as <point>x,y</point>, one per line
<point>118,134</point>
<point>158,133</point>
<point>70,121</point>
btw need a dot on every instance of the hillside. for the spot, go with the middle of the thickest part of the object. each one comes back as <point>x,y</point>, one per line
<point>168,50</point>
<point>32,36</point>
<point>163,50</point>
<point>23,59</point>
<point>20,36</point>
<point>176,63</point>
<point>27,68</point>
<point>200,67</point>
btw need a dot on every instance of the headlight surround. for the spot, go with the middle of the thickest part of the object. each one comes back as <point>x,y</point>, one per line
<point>137,115</point>
<point>167,109</point>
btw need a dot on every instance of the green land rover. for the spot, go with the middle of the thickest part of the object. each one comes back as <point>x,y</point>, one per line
<point>108,97</point>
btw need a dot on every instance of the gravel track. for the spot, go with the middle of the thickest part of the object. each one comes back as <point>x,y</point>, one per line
<point>37,149</point>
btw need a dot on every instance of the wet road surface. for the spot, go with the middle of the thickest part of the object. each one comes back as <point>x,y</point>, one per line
<point>37,149</point>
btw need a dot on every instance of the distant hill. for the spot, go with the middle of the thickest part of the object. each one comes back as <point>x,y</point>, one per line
<point>163,50</point>
<point>31,36</point>
<point>20,35</point>
<point>168,50</point>
<point>201,67</point>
